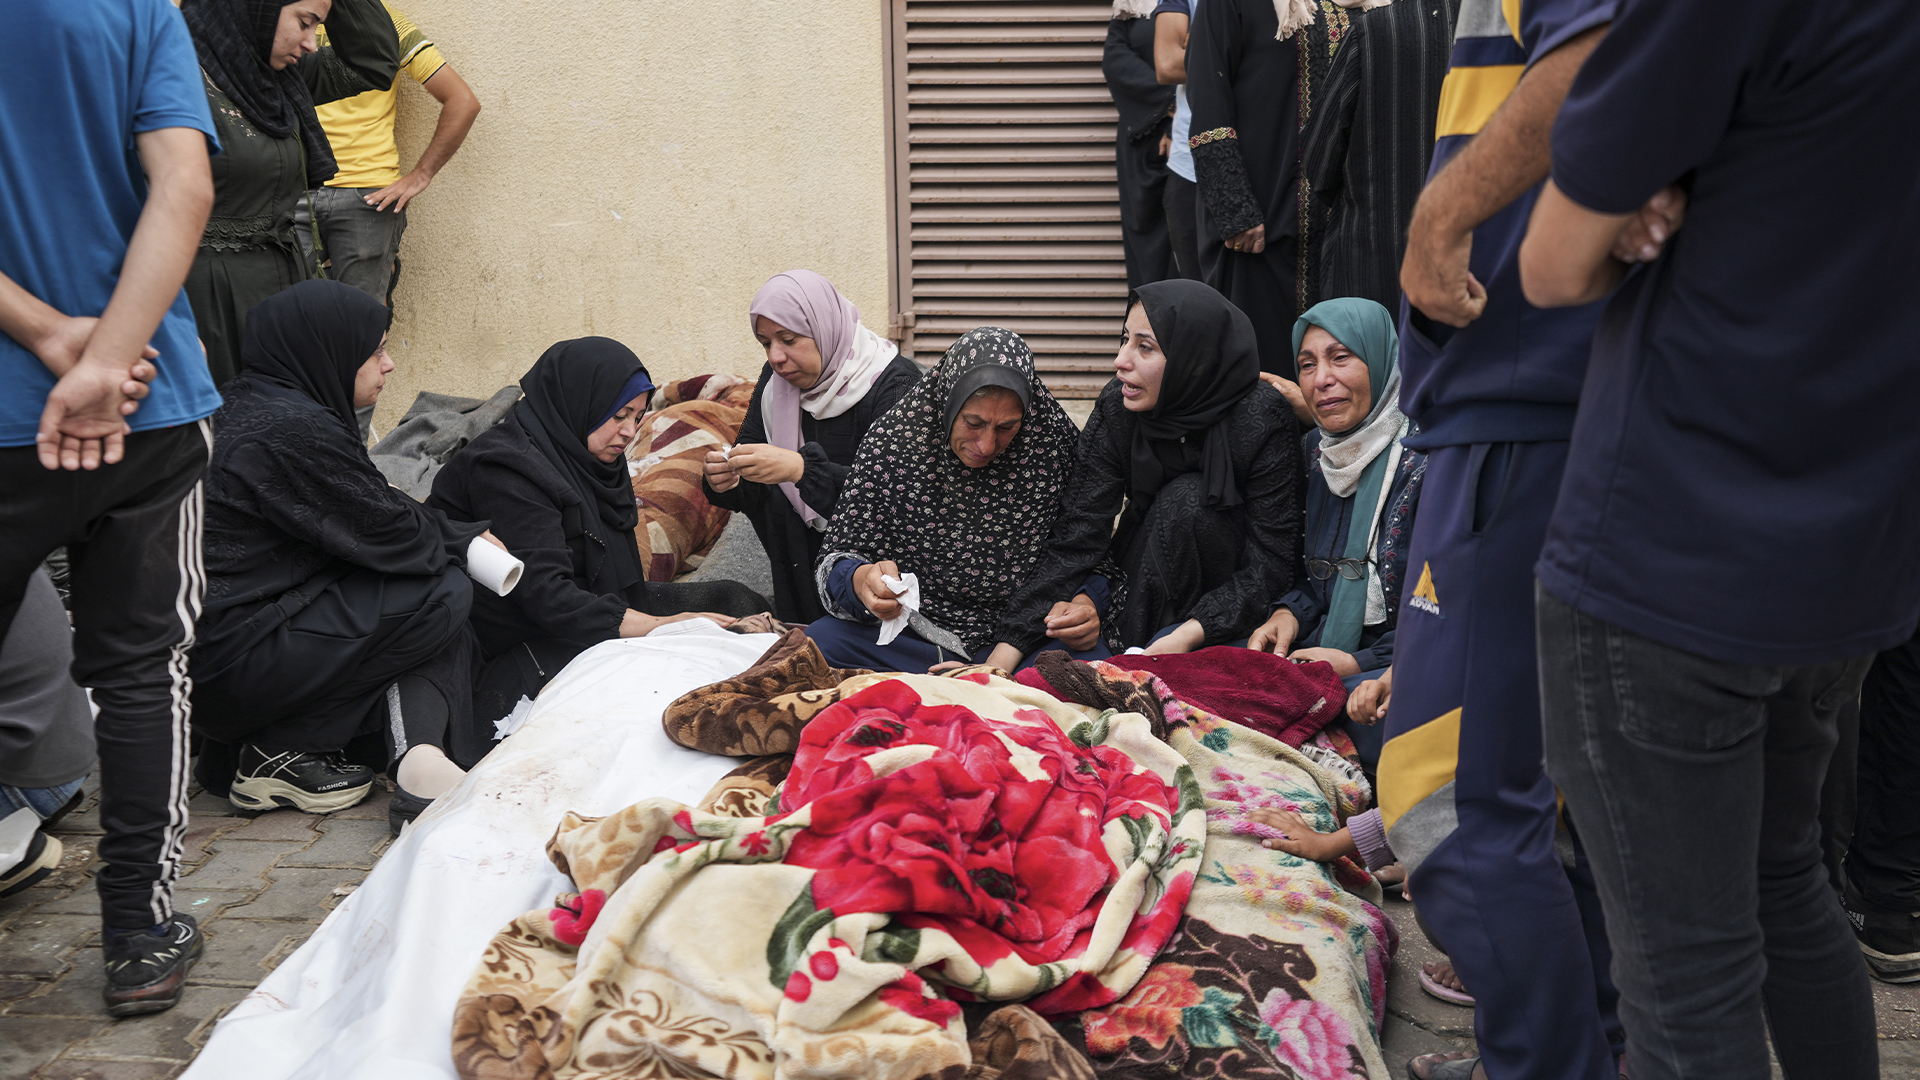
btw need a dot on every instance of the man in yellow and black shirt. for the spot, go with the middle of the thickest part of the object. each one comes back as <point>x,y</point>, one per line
<point>362,211</point>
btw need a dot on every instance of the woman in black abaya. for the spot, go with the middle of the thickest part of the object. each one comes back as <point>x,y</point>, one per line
<point>335,604</point>
<point>552,479</point>
<point>1201,462</point>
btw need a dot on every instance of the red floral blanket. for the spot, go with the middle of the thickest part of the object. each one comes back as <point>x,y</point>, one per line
<point>938,840</point>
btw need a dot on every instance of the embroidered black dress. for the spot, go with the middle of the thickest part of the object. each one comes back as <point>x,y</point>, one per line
<point>1246,159</point>
<point>248,251</point>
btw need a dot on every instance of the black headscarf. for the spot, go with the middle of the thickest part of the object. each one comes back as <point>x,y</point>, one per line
<point>569,391</point>
<point>1212,361</point>
<point>314,338</point>
<point>234,39</point>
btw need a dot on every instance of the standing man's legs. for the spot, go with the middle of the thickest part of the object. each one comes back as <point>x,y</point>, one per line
<point>1179,201</point>
<point>1697,786</point>
<point>1882,867</point>
<point>134,534</point>
<point>1494,890</point>
<point>361,242</point>
<point>1142,173</point>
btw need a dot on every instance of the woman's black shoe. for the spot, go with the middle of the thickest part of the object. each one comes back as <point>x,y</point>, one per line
<point>315,783</point>
<point>403,807</point>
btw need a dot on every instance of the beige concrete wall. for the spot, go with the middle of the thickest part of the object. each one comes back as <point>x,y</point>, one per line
<point>639,168</point>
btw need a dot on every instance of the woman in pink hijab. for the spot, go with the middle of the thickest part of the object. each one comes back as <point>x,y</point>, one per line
<point>827,379</point>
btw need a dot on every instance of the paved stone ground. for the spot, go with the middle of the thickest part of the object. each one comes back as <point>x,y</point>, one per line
<point>259,885</point>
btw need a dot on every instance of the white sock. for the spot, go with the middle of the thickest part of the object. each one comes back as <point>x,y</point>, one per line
<point>426,772</point>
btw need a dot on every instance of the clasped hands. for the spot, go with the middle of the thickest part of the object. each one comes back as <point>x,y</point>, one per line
<point>84,423</point>
<point>758,463</point>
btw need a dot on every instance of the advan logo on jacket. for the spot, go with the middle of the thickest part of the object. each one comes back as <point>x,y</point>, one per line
<point>1423,597</point>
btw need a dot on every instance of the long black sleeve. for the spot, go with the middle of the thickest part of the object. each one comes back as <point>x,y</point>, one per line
<point>1084,531</point>
<point>529,522</point>
<point>1213,56</point>
<point>1275,525</point>
<point>1131,80</point>
<point>362,54</point>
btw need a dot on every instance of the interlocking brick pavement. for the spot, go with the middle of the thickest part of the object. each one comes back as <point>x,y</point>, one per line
<point>261,884</point>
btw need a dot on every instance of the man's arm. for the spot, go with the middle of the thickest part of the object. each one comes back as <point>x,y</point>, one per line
<point>1170,48</point>
<point>458,108</point>
<point>1509,156</point>
<point>88,403</point>
<point>1573,255</point>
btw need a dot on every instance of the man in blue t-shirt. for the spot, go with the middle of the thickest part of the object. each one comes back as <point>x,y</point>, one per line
<point>1492,382</point>
<point>104,395</point>
<point>1736,533</point>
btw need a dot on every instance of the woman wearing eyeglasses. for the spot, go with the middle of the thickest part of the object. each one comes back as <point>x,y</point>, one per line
<point>1362,488</point>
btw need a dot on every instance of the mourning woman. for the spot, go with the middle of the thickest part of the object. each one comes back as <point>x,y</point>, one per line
<point>336,606</point>
<point>1200,460</point>
<point>1363,487</point>
<point>552,479</point>
<point>264,72</point>
<point>957,486</point>
<point>827,380</point>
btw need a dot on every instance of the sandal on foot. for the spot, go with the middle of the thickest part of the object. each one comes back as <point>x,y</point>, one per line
<point>1445,993</point>
<point>1454,1065</point>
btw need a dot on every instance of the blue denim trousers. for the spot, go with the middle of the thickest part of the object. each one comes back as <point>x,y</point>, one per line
<point>1696,787</point>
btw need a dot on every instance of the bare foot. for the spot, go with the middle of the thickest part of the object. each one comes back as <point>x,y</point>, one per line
<point>1391,874</point>
<point>1442,972</point>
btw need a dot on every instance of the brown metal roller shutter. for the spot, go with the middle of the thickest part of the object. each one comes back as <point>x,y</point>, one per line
<point>1005,209</point>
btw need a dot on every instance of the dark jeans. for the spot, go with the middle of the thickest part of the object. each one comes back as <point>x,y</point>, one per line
<point>360,244</point>
<point>1696,786</point>
<point>133,533</point>
<point>1883,857</point>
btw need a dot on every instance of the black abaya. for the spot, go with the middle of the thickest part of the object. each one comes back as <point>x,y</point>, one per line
<point>324,584</point>
<point>1145,108</point>
<point>1246,156</point>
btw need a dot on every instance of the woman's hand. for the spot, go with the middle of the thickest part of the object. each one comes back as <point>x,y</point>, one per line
<point>1367,704</point>
<point>763,464</point>
<point>494,540</point>
<point>1343,663</point>
<point>1251,242</point>
<point>1302,839</point>
<point>1295,397</point>
<point>720,474</point>
<point>1276,634</point>
<point>873,592</point>
<point>1186,637</point>
<point>640,624</point>
<point>1074,623</point>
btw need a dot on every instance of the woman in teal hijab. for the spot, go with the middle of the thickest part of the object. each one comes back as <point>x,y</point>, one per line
<point>1362,490</point>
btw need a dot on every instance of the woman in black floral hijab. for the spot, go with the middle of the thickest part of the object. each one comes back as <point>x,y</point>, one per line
<point>958,485</point>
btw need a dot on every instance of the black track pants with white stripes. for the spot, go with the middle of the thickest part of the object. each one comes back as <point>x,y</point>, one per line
<point>133,532</point>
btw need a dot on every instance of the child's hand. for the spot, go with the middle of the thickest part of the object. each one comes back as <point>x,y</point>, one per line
<point>1301,838</point>
<point>1367,704</point>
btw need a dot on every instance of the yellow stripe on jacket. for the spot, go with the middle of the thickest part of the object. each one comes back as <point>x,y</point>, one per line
<point>1415,764</point>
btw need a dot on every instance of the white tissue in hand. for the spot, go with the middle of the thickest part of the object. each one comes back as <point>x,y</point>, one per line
<point>514,720</point>
<point>906,589</point>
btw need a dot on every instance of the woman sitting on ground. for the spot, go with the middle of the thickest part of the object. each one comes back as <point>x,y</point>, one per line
<point>336,606</point>
<point>1362,490</point>
<point>552,479</point>
<point>957,486</point>
<point>1200,460</point>
<point>827,380</point>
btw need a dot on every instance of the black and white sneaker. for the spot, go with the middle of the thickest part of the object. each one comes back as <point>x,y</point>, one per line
<point>315,783</point>
<point>1889,938</point>
<point>43,854</point>
<point>147,971</point>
